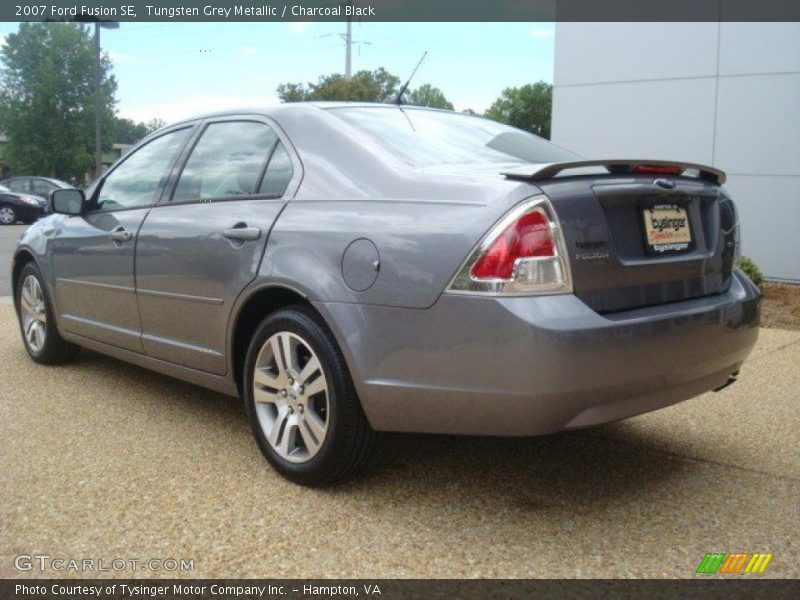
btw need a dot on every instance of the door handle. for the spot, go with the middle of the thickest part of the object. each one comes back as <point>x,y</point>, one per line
<point>242,233</point>
<point>120,235</point>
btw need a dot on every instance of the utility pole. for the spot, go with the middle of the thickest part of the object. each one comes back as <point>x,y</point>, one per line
<point>348,44</point>
<point>98,143</point>
<point>347,36</point>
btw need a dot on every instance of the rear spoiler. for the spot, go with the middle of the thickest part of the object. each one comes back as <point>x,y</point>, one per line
<point>618,167</point>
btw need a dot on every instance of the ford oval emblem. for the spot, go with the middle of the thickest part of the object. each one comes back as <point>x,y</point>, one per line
<point>667,184</point>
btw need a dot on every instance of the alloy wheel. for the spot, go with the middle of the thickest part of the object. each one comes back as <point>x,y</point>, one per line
<point>291,397</point>
<point>34,313</point>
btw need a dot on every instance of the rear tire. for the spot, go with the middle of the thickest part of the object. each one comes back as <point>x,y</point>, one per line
<point>301,402</point>
<point>37,320</point>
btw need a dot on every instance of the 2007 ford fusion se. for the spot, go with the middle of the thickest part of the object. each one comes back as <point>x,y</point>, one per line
<point>352,268</point>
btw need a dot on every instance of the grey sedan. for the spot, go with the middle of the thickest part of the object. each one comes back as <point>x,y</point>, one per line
<point>38,186</point>
<point>352,268</point>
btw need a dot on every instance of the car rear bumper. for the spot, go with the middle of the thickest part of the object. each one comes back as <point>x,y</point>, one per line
<point>530,366</point>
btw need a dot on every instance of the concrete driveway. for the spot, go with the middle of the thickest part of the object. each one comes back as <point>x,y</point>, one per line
<point>105,460</point>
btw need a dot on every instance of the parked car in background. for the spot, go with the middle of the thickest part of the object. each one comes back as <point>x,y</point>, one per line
<point>347,268</point>
<point>37,186</point>
<point>20,207</point>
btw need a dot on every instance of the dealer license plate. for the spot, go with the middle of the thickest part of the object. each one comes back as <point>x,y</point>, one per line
<point>667,228</point>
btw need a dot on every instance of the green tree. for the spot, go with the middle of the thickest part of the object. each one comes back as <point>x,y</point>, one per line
<point>427,95</point>
<point>47,99</point>
<point>127,131</point>
<point>363,86</point>
<point>528,107</point>
<point>155,124</point>
<point>293,92</point>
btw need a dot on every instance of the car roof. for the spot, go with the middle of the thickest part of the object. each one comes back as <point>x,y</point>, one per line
<point>53,180</point>
<point>50,179</point>
<point>303,107</point>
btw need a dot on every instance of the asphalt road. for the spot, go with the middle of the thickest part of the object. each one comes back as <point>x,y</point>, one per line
<point>101,459</point>
<point>9,234</point>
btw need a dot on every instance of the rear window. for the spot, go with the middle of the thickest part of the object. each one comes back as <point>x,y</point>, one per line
<point>427,137</point>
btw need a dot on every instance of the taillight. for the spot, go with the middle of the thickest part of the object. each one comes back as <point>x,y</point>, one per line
<point>524,254</point>
<point>737,235</point>
<point>526,237</point>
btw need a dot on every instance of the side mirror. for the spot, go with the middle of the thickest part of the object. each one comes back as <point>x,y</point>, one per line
<point>67,202</point>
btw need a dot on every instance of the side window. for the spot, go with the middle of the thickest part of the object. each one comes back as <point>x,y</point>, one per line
<point>227,161</point>
<point>40,187</point>
<point>18,185</point>
<point>279,173</point>
<point>133,183</point>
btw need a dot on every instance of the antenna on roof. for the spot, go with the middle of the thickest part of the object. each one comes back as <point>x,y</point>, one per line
<point>399,98</point>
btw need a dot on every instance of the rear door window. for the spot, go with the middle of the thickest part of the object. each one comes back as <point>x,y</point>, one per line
<point>227,162</point>
<point>278,174</point>
<point>40,187</point>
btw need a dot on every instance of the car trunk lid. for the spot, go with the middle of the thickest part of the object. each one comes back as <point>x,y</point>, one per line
<point>641,236</point>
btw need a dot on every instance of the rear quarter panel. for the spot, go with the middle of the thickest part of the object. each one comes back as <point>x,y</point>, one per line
<point>419,247</point>
<point>423,225</point>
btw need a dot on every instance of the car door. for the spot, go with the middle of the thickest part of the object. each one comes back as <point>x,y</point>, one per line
<point>93,253</point>
<point>203,242</point>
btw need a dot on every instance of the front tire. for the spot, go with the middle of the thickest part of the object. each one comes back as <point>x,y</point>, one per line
<point>37,320</point>
<point>8,215</point>
<point>301,403</point>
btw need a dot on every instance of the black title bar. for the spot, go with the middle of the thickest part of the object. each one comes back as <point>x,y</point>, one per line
<point>391,589</point>
<point>400,10</point>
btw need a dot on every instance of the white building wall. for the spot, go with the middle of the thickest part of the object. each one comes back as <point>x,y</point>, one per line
<point>724,94</point>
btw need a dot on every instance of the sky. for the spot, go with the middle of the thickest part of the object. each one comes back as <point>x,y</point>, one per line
<point>172,71</point>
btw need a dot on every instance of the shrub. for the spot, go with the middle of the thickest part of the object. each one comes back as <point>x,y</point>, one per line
<point>750,268</point>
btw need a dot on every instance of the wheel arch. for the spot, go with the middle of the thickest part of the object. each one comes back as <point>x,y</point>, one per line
<point>22,257</point>
<point>252,310</point>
